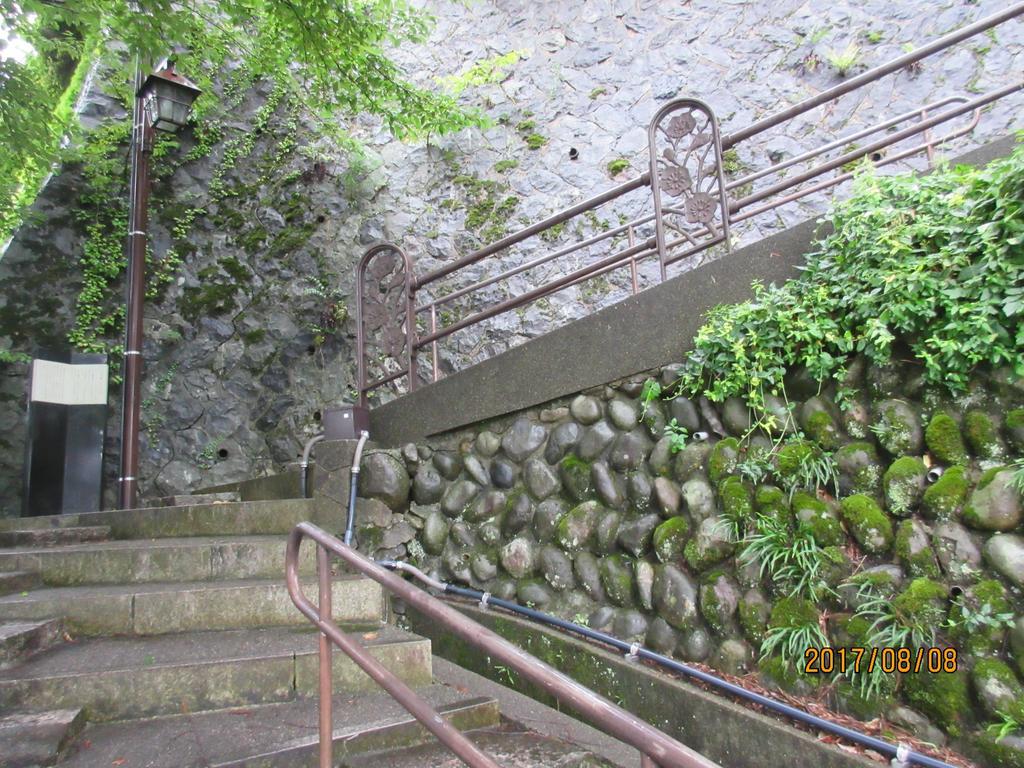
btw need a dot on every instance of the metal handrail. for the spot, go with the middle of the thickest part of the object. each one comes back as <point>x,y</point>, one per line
<point>701,221</point>
<point>656,748</point>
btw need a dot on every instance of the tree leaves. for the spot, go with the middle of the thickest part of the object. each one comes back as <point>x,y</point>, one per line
<point>332,54</point>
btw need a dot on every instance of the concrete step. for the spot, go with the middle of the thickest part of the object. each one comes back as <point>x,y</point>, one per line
<point>151,609</point>
<point>18,640</point>
<point>279,735</point>
<point>120,678</point>
<point>233,519</point>
<point>137,561</point>
<point>191,499</point>
<point>18,581</point>
<point>51,537</point>
<point>509,748</point>
<point>32,739</point>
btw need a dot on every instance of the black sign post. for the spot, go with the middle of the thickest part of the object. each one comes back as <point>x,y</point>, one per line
<point>67,423</point>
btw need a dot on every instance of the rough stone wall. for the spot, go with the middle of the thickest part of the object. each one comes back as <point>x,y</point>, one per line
<point>584,509</point>
<point>235,376</point>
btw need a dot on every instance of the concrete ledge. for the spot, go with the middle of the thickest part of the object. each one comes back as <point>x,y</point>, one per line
<point>728,733</point>
<point>642,332</point>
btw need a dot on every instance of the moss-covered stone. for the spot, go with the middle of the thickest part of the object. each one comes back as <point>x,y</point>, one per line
<point>867,523</point>
<point>850,631</point>
<point>719,600</point>
<point>822,429</point>
<point>737,503</point>
<point>921,607</point>
<point>903,485</point>
<point>754,611</point>
<point>996,504</point>
<point>859,469</point>
<point>722,459</point>
<point>575,531</point>
<point>942,696</point>
<point>815,517</point>
<point>1014,424</point>
<point>575,474</point>
<point>792,613</point>
<point>982,435</point>
<point>670,538</point>
<point>977,619</point>
<point>865,706</point>
<point>998,689</point>
<point>999,753</point>
<point>770,501</point>
<point>943,439</point>
<point>898,428</point>
<point>787,676</point>
<point>792,457</point>
<point>943,499</point>
<point>708,547</point>
<point>913,549</point>
<point>617,580</point>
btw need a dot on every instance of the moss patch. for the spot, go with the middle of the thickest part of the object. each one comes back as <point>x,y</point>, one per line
<point>944,498</point>
<point>942,436</point>
<point>737,503</point>
<point>974,619</point>
<point>772,502</point>
<point>793,613</point>
<point>814,516</point>
<point>575,473</point>
<point>823,430</point>
<point>921,607</point>
<point>918,557</point>
<point>723,458</point>
<point>997,754</point>
<point>982,435</point>
<point>867,523</point>
<point>670,538</point>
<point>903,485</point>
<point>942,696</point>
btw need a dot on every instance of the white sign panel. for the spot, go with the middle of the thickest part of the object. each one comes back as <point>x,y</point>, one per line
<point>66,384</point>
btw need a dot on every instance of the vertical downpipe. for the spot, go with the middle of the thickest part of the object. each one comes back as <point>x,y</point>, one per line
<point>323,570</point>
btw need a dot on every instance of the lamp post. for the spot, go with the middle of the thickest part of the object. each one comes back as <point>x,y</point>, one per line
<point>162,103</point>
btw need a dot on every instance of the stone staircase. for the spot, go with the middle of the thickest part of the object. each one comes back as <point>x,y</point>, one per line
<point>165,637</point>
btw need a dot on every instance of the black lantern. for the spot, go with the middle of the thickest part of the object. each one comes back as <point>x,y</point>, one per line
<point>168,98</point>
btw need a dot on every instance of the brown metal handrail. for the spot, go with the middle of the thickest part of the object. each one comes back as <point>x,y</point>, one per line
<point>686,159</point>
<point>656,748</point>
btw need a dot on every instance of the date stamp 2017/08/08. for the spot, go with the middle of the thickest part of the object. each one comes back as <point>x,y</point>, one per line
<point>828,661</point>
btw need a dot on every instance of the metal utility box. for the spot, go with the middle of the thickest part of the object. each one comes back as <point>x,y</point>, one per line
<point>345,422</point>
<point>67,423</point>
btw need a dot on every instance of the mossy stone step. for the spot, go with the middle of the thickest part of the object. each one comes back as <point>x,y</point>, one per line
<point>18,581</point>
<point>278,735</point>
<point>20,639</point>
<point>152,609</point>
<point>51,537</point>
<point>32,739</point>
<point>138,561</point>
<point>119,678</point>
<point>523,749</point>
<point>227,519</point>
<point>191,499</point>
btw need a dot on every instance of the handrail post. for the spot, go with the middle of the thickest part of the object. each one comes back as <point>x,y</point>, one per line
<point>323,572</point>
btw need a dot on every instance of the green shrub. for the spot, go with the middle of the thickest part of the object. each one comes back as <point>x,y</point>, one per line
<point>932,260</point>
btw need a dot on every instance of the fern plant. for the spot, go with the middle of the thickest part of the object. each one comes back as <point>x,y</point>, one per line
<point>791,559</point>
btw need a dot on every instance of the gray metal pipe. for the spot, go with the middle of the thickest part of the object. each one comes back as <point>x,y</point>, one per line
<point>304,464</point>
<point>353,486</point>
